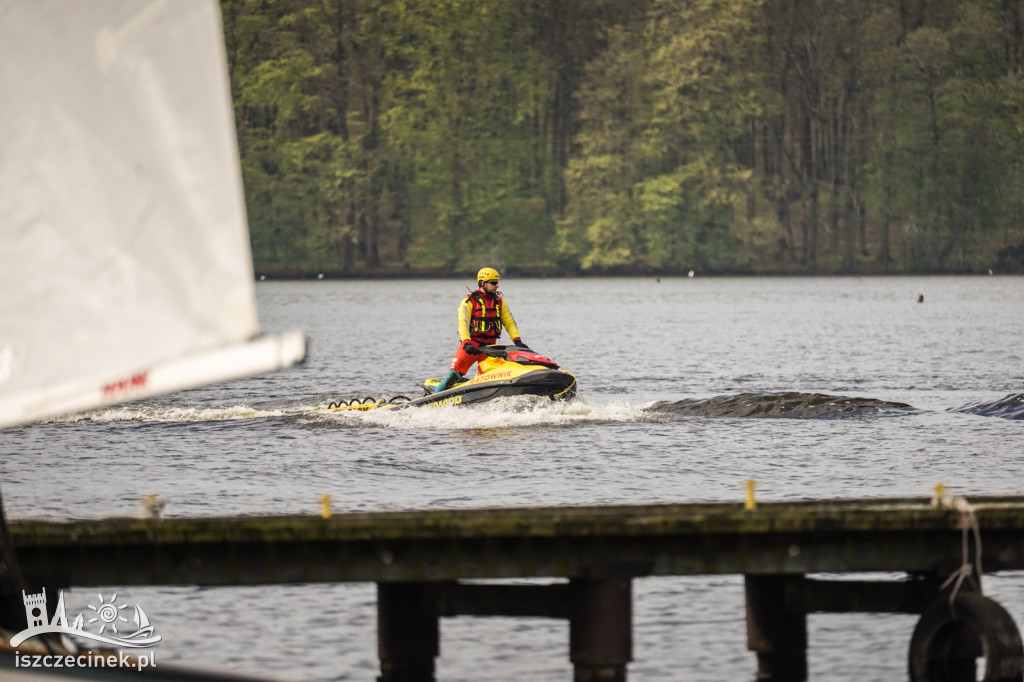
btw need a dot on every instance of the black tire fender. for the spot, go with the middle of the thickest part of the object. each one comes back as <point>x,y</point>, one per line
<point>948,638</point>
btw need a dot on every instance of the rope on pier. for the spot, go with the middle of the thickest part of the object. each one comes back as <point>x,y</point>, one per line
<point>968,525</point>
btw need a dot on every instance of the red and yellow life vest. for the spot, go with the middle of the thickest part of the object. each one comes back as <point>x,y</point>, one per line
<point>485,317</point>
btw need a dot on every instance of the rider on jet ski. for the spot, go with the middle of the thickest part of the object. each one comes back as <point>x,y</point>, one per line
<point>482,315</point>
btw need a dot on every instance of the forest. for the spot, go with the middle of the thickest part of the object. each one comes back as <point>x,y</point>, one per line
<point>564,137</point>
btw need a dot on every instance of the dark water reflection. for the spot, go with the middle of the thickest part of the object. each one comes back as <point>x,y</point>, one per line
<point>1007,407</point>
<point>788,405</point>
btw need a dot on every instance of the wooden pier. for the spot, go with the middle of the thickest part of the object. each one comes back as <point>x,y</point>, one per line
<point>420,561</point>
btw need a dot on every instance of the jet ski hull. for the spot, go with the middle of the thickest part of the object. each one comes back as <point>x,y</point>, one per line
<point>506,371</point>
<point>557,384</point>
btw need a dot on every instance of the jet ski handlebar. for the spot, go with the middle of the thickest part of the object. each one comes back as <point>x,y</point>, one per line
<point>523,356</point>
<point>494,351</point>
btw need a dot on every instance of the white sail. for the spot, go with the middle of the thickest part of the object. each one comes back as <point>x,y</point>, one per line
<point>141,621</point>
<point>125,267</point>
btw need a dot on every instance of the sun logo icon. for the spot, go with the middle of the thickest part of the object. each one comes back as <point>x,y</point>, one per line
<point>108,614</point>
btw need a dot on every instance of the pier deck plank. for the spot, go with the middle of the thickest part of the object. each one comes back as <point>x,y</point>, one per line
<point>906,534</point>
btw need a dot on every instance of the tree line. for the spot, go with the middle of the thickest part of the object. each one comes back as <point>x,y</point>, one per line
<point>610,136</point>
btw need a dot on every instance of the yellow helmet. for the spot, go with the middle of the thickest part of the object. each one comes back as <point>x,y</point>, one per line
<point>486,274</point>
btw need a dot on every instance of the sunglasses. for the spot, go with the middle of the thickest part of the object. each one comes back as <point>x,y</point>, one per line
<point>491,281</point>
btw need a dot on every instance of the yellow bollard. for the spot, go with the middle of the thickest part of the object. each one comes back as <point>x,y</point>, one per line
<point>325,506</point>
<point>152,507</point>
<point>937,498</point>
<point>751,502</point>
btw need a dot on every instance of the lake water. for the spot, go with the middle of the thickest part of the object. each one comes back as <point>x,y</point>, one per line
<point>674,379</point>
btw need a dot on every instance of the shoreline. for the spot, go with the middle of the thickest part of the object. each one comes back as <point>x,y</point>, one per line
<point>356,273</point>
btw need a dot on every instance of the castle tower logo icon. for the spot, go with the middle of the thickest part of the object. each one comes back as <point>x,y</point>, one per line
<point>107,622</point>
<point>35,608</point>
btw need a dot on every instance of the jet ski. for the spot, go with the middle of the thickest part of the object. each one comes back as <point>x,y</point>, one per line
<point>506,371</point>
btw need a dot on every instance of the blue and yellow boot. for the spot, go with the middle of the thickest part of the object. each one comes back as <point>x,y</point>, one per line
<point>452,377</point>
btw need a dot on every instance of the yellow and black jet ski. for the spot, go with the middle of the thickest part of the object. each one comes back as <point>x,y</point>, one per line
<point>506,371</point>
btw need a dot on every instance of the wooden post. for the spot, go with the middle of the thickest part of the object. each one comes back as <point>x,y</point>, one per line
<point>777,633</point>
<point>407,632</point>
<point>600,629</point>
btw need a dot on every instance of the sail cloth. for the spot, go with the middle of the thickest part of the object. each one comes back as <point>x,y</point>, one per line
<point>125,266</point>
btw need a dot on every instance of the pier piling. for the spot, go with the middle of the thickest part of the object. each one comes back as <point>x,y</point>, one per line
<point>408,639</point>
<point>776,632</point>
<point>600,629</point>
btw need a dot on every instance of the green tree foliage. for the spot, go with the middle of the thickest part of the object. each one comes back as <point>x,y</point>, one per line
<point>631,135</point>
<point>465,104</point>
<point>658,183</point>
